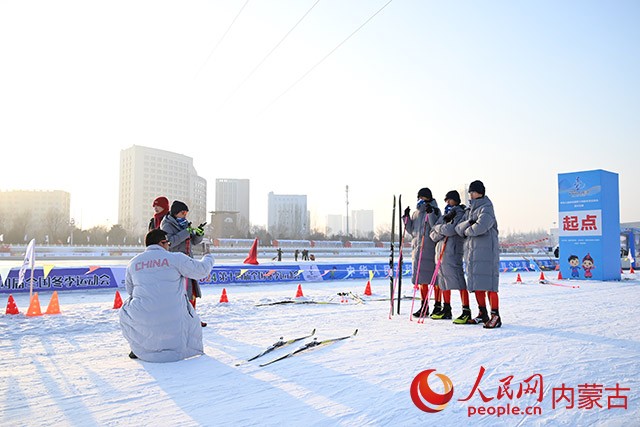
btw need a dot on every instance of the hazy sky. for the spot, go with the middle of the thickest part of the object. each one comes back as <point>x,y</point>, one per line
<point>427,93</point>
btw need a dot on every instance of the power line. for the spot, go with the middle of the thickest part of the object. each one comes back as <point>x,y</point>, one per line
<point>222,38</point>
<point>325,57</point>
<point>269,54</point>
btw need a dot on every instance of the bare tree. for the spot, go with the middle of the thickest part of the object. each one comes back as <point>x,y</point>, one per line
<point>56,225</point>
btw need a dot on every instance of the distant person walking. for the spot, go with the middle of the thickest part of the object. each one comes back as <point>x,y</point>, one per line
<point>479,227</point>
<point>161,207</point>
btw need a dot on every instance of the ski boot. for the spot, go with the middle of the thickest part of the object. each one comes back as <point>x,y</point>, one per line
<point>445,313</point>
<point>437,310</point>
<point>419,312</point>
<point>482,317</point>
<point>495,321</point>
<point>464,318</point>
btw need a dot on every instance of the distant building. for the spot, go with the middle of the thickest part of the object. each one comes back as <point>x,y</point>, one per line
<point>232,195</point>
<point>28,213</point>
<point>146,173</point>
<point>224,225</point>
<point>335,225</point>
<point>288,217</point>
<point>362,223</point>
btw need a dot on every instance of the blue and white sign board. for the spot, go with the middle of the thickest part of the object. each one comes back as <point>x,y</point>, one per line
<point>589,225</point>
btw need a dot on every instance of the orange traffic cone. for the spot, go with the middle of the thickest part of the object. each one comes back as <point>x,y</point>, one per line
<point>34,306</point>
<point>117,301</point>
<point>542,279</point>
<point>223,297</point>
<point>560,275</point>
<point>253,254</point>
<point>631,270</point>
<point>54,306</point>
<point>519,279</point>
<point>367,289</point>
<point>299,292</point>
<point>12,308</point>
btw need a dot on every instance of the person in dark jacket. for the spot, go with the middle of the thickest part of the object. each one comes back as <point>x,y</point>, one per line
<point>182,236</point>
<point>451,246</point>
<point>423,248</point>
<point>161,207</point>
<point>482,254</point>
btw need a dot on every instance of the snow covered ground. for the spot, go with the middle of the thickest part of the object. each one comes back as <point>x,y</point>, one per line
<point>73,369</point>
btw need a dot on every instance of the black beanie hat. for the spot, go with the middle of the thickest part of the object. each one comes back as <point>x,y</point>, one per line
<point>425,192</point>
<point>453,195</point>
<point>476,186</point>
<point>177,206</point>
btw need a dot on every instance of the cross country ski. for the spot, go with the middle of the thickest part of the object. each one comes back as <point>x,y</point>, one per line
<point>278,344</point>
<point>309,345</point>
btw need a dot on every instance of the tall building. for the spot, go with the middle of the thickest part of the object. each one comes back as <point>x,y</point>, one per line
<point>146,173</point>
<point>335,225</point>
<point>46,214</point>
<point>288,217</point>
<point>232,195</point>
<point>362,223</point>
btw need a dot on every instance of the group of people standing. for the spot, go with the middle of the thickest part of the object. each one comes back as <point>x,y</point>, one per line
<point>442,241</point>
<point>159,319</point>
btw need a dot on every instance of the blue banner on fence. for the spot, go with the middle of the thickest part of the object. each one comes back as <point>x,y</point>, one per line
<point>73,278</point>
<point>225,274</point>
<point>62,279</point>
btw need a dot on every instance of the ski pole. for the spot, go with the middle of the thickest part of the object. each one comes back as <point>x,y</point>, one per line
<point>400,252</point>
<point>398,276</point>
<point>391,279</point>
<point>433,280</point>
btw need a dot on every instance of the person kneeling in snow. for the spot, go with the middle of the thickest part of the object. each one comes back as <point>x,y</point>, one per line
<point>157,319</point>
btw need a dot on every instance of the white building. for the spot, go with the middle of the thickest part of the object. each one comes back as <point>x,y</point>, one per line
<point>335,225</point>
<point>232,195</point>
<point>362,223</point>
<point>31,213</point>
<point>288,217</point>
<point>146,173</point>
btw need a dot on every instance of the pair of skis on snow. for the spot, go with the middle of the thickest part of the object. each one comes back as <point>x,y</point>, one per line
<point>311,344</point>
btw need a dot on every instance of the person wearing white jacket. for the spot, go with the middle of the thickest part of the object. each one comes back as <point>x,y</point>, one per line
<point>157,319</point>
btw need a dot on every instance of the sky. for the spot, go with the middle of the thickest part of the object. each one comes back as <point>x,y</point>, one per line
<point>308,96</point>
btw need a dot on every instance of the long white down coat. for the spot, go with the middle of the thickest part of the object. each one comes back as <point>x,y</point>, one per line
<point>157,319</point>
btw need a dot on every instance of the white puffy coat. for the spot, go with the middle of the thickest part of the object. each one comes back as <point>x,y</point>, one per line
<point>157,319</point>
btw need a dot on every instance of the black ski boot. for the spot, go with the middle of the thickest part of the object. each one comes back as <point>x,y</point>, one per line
<point>495,321</point>
<point>482,317</point>
<point>445,313</point>
<point>437,310</point>
<point>464,318</point>
<point>419,312</point>
<point>132,355</point>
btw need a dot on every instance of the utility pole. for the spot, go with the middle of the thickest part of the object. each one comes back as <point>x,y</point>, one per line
<point>347,206</point>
